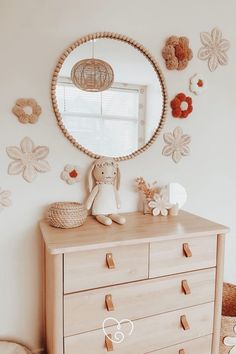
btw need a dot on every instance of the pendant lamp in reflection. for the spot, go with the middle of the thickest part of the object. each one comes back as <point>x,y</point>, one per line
<point>93,75</point>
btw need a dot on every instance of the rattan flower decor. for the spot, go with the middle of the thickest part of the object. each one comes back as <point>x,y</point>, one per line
<point>28,159</point>
<point>177,53</point>
<point>70,174</point>
<point>160,204</point>
<point>181,106</point>
<point>27,110</point>
<point>214,48</point>
<point>176,144</point>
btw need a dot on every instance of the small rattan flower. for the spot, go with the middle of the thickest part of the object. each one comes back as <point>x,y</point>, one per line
<point>5,200</point>
<point>214,48</point>
<point>197,84</point>
<point>160,203</point>
<point>177,53</point>
<point>177,144</point>
<point>70,174</point>
<point>27,110</point>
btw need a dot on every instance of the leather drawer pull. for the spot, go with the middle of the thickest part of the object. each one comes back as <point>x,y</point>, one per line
<point>110,261</point>
<point>184,323</point>
<point>187,251</point>
<point>186,287</point>
<point>108,343</point>
<point>182,351</point>
<point>109,303</point>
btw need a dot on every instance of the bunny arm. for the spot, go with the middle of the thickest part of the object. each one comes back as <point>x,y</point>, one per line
<point>117,196</point>
<point>91,197</point>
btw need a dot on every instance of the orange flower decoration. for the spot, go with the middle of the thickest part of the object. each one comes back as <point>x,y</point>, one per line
<point>181,106</point>
<point>177,53</point>
<point>27,110</point>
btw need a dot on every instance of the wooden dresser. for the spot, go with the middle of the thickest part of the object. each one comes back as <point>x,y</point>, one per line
<point>162,273</point>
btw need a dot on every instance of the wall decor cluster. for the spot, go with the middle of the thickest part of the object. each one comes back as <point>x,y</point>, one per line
<point>181,106</point>
<point>28,159</point>
<point>214,48</point>
<point>197,84</point>
<point>176,144</point>
<point>177,53</point>
<point>27,110</point>
<point>5,200</point>
<point>71,174</point>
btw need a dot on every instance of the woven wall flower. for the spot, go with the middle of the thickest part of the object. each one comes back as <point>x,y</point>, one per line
<point>27,110</point>
<point>5,200</point>
<point>70,174</point>
<point>197,84</point>
<point>28,159</point>
<point>214,48</point>
<point>160,204</point>
<point>177,53</point>
<point>177,144</point>
<point>181,106</point>
<point>231,341</point>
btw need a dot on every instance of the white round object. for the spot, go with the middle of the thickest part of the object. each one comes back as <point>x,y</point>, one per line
<point>12,348</point>
<point>177,194</point>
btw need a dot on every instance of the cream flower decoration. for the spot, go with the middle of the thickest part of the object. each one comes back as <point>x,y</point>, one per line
<point>28,159</point>
<point>5,199</point>
<point>70,174</point>
<point>214,49</point>
<point>160,203</point>
<point>231,341</point>
<point>177,144</point>
<point>197,84</point>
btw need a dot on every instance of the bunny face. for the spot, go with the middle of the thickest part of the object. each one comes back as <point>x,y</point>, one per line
<point>105,170</point>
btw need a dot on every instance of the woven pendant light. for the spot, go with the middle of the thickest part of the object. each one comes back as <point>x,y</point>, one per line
<point>93,75</point>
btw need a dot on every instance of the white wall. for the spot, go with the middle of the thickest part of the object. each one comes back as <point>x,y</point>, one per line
<point>32,35</point>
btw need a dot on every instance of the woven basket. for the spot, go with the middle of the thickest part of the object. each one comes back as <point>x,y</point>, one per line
<point>66,215</point>
<point>228,317</point>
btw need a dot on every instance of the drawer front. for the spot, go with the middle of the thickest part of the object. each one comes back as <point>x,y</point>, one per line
<point>183,255</point>
<point>86,311</point>
<point>102,267</point>
<point>201,345</point>
<point>149,333</point>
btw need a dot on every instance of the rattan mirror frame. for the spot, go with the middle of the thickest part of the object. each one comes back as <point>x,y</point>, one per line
<point>149,57</point>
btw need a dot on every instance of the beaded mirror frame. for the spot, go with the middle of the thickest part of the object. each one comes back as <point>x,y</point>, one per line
<point>149,57</point>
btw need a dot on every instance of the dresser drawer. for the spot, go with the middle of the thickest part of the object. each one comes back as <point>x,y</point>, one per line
<point>201,345</point>
<point>149,333</point>
<point>86,311</point>
<point>102,267</point>
<point>182,255</point>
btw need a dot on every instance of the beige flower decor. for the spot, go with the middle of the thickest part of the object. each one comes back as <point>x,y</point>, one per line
<point>177,53</point>
<point>5,200</point>
<point>27,110</point>
<point>214,48</point>
<point>160,203</point>
<point>71,174</point>
<point>28,159</point>
<point>176,144</point>
<point>231,341</point>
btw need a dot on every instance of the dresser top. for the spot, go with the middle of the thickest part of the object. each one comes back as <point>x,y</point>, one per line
<point>139,228</point>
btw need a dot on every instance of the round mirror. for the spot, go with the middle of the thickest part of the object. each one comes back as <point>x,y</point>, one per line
<point>109,96</point>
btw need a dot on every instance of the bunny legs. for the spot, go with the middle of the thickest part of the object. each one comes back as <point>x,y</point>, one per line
<point>117,218</point>
<point>105,220</point>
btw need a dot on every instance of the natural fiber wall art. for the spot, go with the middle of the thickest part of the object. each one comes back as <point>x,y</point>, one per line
<point>176,144</point>
<point>177,53</point>
<point>27,110</point>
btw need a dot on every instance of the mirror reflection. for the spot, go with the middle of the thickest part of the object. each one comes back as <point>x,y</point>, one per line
<point>111,111</point>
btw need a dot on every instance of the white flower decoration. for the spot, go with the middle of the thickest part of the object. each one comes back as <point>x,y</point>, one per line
<point>231,341</point>
<point>70,174</point>
<point>160,203</point>
<point>5,199</point>
<point>198,84</point>
<point>177,144</point>
<point>214,49</point>
<point>28,159</point>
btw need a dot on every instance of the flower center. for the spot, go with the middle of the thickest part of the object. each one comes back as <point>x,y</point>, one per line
<point>28,110</point>
<point>200,83</point>
<point>73,174</point>
<point>184,106</point>
<point>28,157</point>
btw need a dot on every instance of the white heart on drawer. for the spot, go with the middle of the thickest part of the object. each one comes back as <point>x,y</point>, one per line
<point>119,335</point>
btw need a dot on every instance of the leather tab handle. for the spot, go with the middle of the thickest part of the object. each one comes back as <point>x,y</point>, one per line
<point>108,343</point>
<point>182,351</point>
<point>184,323</point>
<point>187,251</point>
<point>109,303</point>
<point>110,261</point>
<point>185,287</point>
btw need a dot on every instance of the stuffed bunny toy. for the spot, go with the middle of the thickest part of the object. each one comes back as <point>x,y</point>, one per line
<point>104,197</point>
